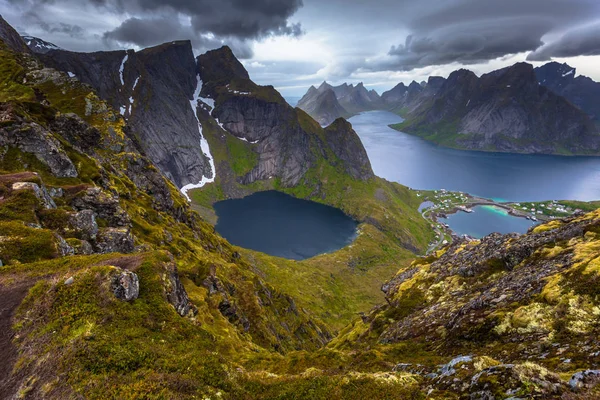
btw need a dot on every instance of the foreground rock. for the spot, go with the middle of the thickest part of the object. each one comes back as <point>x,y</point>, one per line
<point>125,285</point>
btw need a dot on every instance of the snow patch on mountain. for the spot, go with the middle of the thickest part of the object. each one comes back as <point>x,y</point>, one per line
<point>122,68</point>
<point>38,45</point>
<point>571,72</point>
<point>203,145</point>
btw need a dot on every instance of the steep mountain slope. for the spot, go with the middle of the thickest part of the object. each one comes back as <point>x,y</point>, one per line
<point>522,311</point>
<point>581,90</point>
<point>11,38</point>
<point>505,110</point>
<point>85,221</point>
<point>351,100</point>
<point>154,96</point>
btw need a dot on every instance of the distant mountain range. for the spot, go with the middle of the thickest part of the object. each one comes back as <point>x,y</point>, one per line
<point>518,109</point>
<point>327,103</point>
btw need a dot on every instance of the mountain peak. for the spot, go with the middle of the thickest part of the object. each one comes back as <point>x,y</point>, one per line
<point>220,66</point>
<point>38,45</point>
<point>324,86</point>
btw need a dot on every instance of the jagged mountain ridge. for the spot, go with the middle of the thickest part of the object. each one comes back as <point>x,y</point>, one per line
<point>288,146</point>
<point>155,97</point>
<point>580,90</point>
<point>505,110</point>
<point>351,100</point>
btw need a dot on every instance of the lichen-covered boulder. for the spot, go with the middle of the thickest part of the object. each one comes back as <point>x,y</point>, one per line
<point>81,247</point>
<point>518,381</point>
<point>125,285</point>
<point>84,223</point>
<point>115,240</point>
<point>62,247</point>
<point>40,192</point>
<point>105,205</point>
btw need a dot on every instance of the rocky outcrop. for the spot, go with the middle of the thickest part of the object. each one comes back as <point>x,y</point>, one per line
<point>125,285</point>
<point>30,137</point>
<point>580,90</point>
<point>103,204</point>
<point>175,292</point>
<point>511,312</point>
<point>115,240</point>
<point>490,284</point>
<point>152,89</point>
<point>84,223</point>
<point>40,192</point>
<point>506,110</point>
<point>346,145</point>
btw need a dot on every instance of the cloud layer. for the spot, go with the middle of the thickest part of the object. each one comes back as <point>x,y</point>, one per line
<point>207,23</point>
<point>476,31</point>
<point>338,39</point>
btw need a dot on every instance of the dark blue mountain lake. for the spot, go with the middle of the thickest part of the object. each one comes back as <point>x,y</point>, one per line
<point>280,225</point>
<point>419,164</point>
<point>485,220</point>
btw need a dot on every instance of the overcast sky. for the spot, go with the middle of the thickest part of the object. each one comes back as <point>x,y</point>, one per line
<point>292,44</point>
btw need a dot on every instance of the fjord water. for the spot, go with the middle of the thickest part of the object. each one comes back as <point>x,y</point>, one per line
<point>485,220</point>
<point>416,163</point>
<point>283,226</point>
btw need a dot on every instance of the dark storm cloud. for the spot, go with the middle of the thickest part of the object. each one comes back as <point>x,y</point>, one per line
<point>150,31</point>
<point>206,22</point>
<point>476,31</point>
<point>74,31</point>
<point>581,41</point>
<point>242,19</point>
<point>469,43</point>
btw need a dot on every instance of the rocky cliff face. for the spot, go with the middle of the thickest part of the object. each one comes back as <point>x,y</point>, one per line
<point>350,100</point>
<point>287,142</point>
<point>506,110</point>
<point>152,89</point>
<point>348,148</point>
<point>579,90</point>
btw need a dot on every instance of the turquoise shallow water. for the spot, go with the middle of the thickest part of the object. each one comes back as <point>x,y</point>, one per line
<point>485,220</point>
